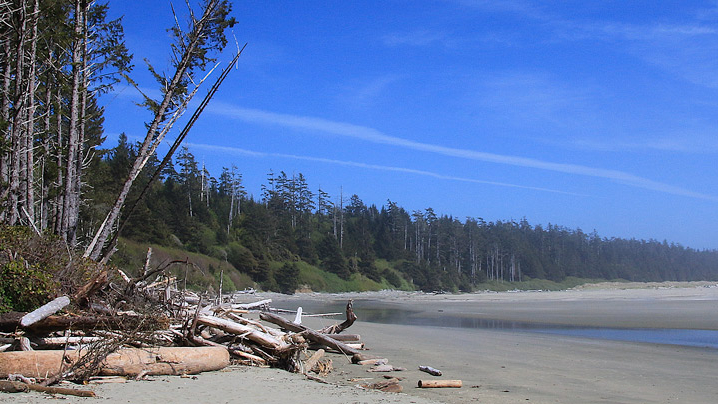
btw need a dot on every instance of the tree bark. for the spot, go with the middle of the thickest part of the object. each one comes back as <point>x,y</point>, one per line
<point>70,207</point>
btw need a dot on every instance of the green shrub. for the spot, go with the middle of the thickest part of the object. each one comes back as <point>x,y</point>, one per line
<point>22,287</point>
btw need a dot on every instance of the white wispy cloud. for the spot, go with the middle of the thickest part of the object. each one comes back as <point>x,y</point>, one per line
<point>239,151</point>
<point>691,143</point>
<point>372,135</point>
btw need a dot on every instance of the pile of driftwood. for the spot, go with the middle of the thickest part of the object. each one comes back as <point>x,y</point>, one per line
<point>153,328</point>
<point>115,327</point>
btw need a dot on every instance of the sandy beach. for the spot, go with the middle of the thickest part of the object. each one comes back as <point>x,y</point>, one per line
<point>496,366</point>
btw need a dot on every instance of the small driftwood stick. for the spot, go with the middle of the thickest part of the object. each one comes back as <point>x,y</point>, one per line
<point>424,384</point>
<point>44,311</point>
<point>18,387</point>
<point>430,370</point>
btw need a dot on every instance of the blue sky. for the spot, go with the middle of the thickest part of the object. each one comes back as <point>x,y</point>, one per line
<point>591,115</point>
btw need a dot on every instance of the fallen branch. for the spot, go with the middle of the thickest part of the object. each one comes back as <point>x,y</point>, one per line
<point>20,387</point>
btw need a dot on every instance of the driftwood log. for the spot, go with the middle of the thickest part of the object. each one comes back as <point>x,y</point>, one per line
<point>9,322</point>
<point>125,362</point>
<point>44,311</point>
<point>424,384</point>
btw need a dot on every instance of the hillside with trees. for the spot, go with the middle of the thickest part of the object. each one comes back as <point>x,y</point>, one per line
<point>58,58</point>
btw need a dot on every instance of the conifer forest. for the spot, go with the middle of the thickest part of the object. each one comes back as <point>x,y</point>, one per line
<point>60,178</point>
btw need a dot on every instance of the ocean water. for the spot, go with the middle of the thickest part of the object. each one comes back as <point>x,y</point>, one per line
<point>681,337</point>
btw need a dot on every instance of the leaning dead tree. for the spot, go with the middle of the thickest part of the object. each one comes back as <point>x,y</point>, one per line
<point>190,54</point>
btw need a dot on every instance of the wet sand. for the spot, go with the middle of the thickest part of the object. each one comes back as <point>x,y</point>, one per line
<point>495,366</point>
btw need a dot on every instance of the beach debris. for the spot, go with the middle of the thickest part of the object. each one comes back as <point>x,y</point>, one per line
<point>151,327</point>
<point>424,384</point>
<point>390,386</point>
<point>377,361</point>
<point>430,370</point>
<point>385,368</point>
<point>8,386</point>
<point>44,311</point>
<point>124,362</point>
<point>114,327</point>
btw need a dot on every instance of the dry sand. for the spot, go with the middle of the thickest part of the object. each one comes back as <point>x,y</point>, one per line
<point>495,366</point>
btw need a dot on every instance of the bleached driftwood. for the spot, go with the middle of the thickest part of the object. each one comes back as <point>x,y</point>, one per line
<point>439,383</point>
<point>261,338</point>
<point>55,341</point>
<point>44,311</point>
<point>310,334</point>
<point>430,370</point>
<point>125,362</point>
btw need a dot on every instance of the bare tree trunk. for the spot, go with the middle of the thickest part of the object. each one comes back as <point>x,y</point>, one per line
<point>152,139</point>
<point>69,209</point>
<point>6,62</point>
<point>59,199</point>
<point>17,146</point>
<point>30,132</point>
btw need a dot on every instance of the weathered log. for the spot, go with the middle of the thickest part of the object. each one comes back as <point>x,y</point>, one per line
<point>337,328</point>
<point>345,337</point>
<point>9,322</point>
<point>439,383</point>
<point>244,355</point>
<point>44,311</point>
<point>250,306</point>
<point>310,334</point>
<point>125,362</point>
<point>55,341</point>
<point>430,370</point>
<point>18,387</point>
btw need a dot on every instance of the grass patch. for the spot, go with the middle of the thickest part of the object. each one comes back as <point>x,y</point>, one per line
<point>202,273</point>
